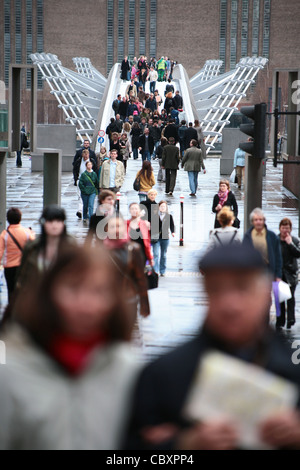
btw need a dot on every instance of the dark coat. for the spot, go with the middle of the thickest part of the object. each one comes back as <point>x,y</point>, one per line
<point>135,136</point>
<point>171,130</point>
<point>151,104</point>
<point>290,254</point>
<point>231,202</point>
<point>142,143</point>
<point>178,102</point>
<point>164,384</point>
<point>190,134</point>
<point>77,163</point>
<point>274,251</point>
<point>170,157</point>
<point>125,67</point>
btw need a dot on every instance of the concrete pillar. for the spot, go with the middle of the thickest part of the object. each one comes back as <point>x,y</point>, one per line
<point>52,176</point>
<point>253,187</point>
<point>3,153</point>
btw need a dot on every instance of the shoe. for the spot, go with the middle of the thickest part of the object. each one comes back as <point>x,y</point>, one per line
<point>79,215</point>
<point>170,193</point>
<point>239,187</point>
<point>162,275</point>
<point>192,194</point>
<point>85,221</point>
<point>290,324</point>
<point>19,166</point>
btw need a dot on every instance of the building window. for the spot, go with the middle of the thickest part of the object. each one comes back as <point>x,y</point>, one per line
<point>18,33</point>
<point>153,28</point>
<point>142,44</point>
<point>40,34</point>
<point>7,51</point>
<point>121,13</point>
<point>110,34</point>
<point>223,21</point>
<point>255,28</point>
<point>131,28</point>
<point>266,32</point>
<point>28,40</point>
<point>244,30</point>
<point>233,33</point>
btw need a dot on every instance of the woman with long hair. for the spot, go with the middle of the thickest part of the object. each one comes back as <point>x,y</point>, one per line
<point>147,180</point>
<point>138,231</point>
<point>128,258</point>
<point>68,382</point>
<point>225,197</point>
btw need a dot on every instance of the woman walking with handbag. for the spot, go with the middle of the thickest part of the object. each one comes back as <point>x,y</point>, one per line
<point>225,197</point>
<point>88,185</point>
<point>146,179</point>
<point>12,242</point>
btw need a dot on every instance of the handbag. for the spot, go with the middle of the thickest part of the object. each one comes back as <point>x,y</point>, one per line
<point>152,277</point>
<point>236,223</point>
<point>25,143</point>
<point>137,184</point>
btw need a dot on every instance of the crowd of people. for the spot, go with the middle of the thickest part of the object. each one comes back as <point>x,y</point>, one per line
<point>72,380</point>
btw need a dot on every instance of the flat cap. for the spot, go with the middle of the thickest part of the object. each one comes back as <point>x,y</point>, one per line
<point>233,256</point>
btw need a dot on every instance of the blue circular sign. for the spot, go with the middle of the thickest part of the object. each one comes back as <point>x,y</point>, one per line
<point>100,140</point>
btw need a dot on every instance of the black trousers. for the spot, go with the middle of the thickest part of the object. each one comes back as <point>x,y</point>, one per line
<point>287,310</point>
<point>171,176</point>
<point>10,277</point>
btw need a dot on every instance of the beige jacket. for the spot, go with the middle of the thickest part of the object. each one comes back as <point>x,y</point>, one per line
<point>105,175</point>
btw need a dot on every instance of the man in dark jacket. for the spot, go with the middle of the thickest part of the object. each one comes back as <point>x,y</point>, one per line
<point>171,130</point>
<point>190,134</point>
<point>235,329</point>
<point>116,104</point>
<point>146,145</point>
<point>151,103</point>
<point>177,100</point>
<point>265,241</point>
<point>78,156</point>
<point>170,162</point>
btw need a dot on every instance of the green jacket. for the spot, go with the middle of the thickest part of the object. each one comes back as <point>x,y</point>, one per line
<point>89,183</point>
<point>193,159</point>
<point>161,64</point>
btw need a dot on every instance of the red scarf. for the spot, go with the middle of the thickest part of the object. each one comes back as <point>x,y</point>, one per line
<point>223,196</point>
<point>73,354</point>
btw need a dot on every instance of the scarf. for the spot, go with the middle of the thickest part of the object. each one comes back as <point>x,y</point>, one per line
<point>73,354</point>
<point>113,244</point>
<point>223,197</point>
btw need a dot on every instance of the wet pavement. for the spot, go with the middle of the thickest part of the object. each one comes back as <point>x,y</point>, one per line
<point>178,305</point>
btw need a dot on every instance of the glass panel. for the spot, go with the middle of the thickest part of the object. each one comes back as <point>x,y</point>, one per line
<point>28,39</point>
<point>18,32</point>
<point>121,13</point>
<point>153,28</point>
<point>40,35</point>
<point>266,32</point>
<point>7,51</point>
<point>244,30</point>
<point>255,28</point>
<point>223,20</point>
<point>233,33</point>
<point>131,27</point>
<point>142,44</point>
<point>110,34</point>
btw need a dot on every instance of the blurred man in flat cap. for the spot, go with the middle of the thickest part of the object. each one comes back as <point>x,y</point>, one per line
<point>238,288</point>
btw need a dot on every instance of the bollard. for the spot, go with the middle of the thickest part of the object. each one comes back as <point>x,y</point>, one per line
<point>181,220</point>
<point>118,202</point>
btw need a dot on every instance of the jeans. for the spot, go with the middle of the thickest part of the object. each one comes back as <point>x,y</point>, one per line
<point>193,181</point>
<point>160,255</point>
<point>152,87</point>
<point>19,158</point>
<point>146,156</point>
<point>135,152</point>
<point>88,205</point>
<point>10,277</point>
